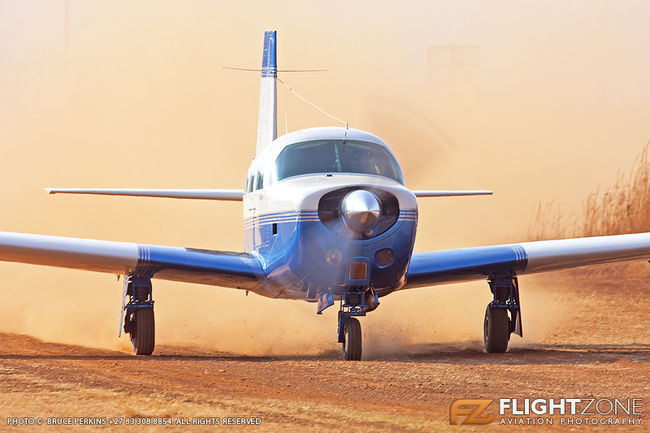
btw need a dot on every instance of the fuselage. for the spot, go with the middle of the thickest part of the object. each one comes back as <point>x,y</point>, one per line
<point>326,209</point>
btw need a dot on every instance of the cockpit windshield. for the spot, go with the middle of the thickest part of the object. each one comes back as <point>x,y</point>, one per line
<point>336,156</point>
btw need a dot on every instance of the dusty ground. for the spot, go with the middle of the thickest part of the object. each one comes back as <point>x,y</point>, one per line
<point>605,354</point>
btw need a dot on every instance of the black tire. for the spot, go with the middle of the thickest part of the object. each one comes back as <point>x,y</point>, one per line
<point>351,348</point>
<point>143,331</point>
<point>496,329</point>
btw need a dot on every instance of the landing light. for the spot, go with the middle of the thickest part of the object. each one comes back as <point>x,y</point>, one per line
<point>333,256</point>
<point>384,257</point>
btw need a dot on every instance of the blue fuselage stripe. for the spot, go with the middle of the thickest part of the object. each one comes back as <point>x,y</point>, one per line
<point>298,216</point>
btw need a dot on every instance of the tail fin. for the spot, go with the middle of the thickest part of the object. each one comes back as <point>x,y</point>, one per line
<point>267,118</point>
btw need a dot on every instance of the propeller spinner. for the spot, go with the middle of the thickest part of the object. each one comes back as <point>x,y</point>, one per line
<point>361,210</point>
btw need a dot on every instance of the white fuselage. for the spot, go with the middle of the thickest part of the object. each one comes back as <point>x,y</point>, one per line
<point>282,223</point>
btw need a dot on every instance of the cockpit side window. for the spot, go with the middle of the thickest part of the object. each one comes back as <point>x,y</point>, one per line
<point>336,156</point>
<point>259,181</point>
<point>250,179</point>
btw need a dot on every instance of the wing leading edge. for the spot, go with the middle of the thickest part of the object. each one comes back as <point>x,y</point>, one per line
<point>436,193</point>
<point>197,194</point>
<point>219,268</point>
<point>449,266</point>
<point>216,194</point>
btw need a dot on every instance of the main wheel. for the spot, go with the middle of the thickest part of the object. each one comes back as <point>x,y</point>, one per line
<point>496,329</point>
<point>352,340</point>
<point>143,335</point>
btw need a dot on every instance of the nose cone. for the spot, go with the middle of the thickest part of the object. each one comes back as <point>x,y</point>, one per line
<point>361,210</point>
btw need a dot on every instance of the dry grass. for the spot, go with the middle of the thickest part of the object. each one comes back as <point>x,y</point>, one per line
<point>621,208</point>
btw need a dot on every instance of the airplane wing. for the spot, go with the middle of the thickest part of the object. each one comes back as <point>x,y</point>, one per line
<point>438,193</point>
<point>219,268</point>
<point>219,194</point>
<point>198,194</point>
<point>449,266</point>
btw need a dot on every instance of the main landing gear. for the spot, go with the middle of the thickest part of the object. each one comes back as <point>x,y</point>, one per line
<point>137,314</point>
<point>502,315</point>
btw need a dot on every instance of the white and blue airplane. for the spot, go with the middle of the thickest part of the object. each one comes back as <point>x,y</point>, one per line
<point>327,218</point>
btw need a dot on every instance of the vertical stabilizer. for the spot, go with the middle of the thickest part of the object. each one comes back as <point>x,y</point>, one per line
<point>267,120</point>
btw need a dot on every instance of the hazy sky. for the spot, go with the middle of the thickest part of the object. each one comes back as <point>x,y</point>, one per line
<point>535,100</point>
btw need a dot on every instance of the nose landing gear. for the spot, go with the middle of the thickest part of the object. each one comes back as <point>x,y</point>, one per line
<point>354,303</point>
<point>351,345</point>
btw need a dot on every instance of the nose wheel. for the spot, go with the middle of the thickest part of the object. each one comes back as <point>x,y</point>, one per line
<point>351,345</point>
<point>354,302</point>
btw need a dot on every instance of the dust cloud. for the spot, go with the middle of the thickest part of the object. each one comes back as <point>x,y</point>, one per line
<point>534,101</point>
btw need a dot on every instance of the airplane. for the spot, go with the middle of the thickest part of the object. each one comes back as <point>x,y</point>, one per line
<point>327,218</point>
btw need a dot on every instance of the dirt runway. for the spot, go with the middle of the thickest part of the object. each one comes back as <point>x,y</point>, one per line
<point>604,353</point>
